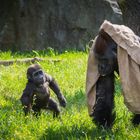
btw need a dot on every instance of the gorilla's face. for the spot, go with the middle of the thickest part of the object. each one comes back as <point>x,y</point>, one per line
<point>107,62</point>
<point>38,77</point>
<point>105,51</point>
<point>35,74</point>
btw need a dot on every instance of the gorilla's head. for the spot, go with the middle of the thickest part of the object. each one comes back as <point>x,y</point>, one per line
<point>105,51</point>
<point>35,74</point>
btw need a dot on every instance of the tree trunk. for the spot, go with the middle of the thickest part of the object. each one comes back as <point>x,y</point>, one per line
<point>131,14</point>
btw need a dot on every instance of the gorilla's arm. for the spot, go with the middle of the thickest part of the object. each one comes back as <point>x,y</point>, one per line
<point>27,98</point>
<point>54,86</point>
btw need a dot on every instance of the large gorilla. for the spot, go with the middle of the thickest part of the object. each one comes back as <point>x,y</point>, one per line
<point>36,95</point>
<point>105,52</point>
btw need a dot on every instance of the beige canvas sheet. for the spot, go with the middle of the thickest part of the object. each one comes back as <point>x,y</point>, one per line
<point>129,66</point>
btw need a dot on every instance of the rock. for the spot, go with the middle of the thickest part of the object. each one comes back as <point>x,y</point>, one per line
<point>60,24</point>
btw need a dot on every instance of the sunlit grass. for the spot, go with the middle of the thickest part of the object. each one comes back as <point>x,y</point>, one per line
<point>74,122</point>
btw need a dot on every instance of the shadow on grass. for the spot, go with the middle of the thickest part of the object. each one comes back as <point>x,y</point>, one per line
<point>78,99</point>
<point>76,133</point>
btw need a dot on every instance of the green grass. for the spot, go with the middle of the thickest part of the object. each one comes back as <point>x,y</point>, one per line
<point>74,124</point>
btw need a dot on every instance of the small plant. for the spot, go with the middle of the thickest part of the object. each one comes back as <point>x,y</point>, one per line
<point>50,51</point>
<point>35,53</point>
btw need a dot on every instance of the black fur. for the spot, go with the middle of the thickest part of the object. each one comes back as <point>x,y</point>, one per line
<point>136,119</point>
<point>103,114</point>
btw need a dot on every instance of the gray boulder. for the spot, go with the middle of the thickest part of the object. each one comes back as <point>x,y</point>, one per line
<point>60,24</point>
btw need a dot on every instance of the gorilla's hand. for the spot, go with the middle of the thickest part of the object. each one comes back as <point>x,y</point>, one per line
<point>62,100</point>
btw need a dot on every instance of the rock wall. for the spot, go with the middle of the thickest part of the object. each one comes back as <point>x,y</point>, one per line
<point>60,24</point>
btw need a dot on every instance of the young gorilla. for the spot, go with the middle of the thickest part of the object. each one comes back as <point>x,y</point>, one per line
<point>106,53</point>
<point>36,95</point>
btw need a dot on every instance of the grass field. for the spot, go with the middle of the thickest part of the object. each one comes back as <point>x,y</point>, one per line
<point>74,124</point>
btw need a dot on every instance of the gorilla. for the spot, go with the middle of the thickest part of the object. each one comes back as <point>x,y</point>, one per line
<point>105,52</point>
<point>36,95</point>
